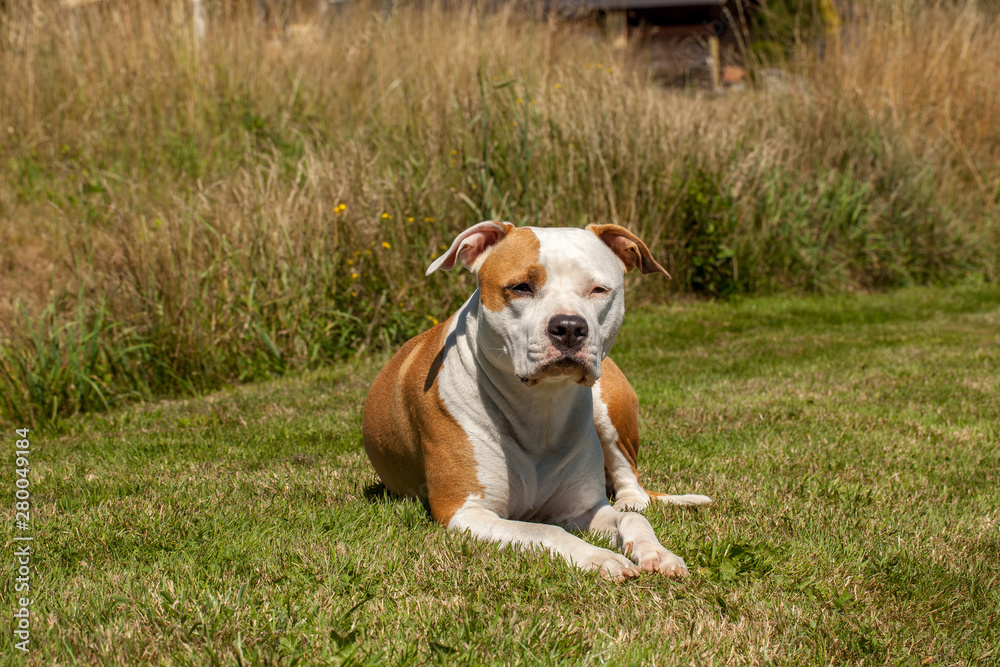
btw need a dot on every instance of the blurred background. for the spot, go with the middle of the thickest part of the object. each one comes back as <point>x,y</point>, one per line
<point>198,192</point>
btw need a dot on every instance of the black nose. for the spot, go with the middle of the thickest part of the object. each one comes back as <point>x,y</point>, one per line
<point>568,331</point>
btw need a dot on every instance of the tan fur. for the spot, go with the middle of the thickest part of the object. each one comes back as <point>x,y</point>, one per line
<point>630,248</point>
<point>623,410</point>
<point>513,260</point>
<point>406,425</point>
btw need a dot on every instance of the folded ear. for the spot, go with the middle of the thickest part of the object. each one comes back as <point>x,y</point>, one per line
<point>471,245</point>
<point>629,248</point>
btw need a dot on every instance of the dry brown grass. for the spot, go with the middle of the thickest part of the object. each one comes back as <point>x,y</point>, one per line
<point>931,72</point>
<point>265,200</point>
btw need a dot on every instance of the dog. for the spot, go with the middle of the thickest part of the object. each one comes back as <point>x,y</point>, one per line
<point>508,419</point>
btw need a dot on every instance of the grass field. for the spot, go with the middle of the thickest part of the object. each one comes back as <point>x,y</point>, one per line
<point>182,218</point>
<point>852,445</point>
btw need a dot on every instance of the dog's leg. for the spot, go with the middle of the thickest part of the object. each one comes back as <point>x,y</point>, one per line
<point>616,417</point>
<point>485,524</point>
<point>635,536</point>
<point>622,481</point>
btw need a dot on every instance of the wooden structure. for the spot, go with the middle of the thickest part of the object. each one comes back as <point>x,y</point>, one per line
<point>676,36</point>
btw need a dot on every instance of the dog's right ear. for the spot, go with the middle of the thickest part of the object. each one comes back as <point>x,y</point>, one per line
<point>629,248</point>
<point>471,246</point>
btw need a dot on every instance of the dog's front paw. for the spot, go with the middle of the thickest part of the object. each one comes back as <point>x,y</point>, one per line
<point>653,557</point>
<point>610,565</point>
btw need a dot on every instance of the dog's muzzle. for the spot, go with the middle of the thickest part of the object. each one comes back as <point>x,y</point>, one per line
<point>567,335</point>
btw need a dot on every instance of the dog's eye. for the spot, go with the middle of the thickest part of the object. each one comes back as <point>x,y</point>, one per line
<point>599,290</point>
<point>521,288</point>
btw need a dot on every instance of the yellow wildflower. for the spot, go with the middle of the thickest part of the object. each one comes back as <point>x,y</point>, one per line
<point>410,219</point>
<point>354,276</point>
<point>385,244</point>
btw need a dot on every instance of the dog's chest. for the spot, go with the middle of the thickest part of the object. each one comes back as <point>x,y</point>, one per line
<point>539,460</point>
<point>551,485</point>
<point>536,452</point>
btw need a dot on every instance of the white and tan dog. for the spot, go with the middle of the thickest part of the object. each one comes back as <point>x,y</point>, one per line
<point>508,416</point>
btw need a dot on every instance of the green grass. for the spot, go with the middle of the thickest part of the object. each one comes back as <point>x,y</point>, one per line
<point>851,444</point>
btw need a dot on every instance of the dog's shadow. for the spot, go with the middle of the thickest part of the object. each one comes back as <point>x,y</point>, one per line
<point>378,494</point>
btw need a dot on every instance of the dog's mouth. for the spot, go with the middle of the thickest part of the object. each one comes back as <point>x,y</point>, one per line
<point>558,368</point>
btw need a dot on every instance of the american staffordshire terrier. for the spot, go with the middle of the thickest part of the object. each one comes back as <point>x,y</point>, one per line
<point>508,419</point>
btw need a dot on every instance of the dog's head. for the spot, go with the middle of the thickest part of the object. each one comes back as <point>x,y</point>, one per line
<point>551,300</point>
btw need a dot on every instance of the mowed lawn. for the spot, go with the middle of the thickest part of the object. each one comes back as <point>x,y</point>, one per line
<point>851,444</point>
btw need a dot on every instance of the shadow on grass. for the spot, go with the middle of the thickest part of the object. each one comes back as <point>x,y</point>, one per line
<point>377,494</point>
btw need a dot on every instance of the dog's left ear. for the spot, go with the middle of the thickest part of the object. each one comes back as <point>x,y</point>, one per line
<point>471,245</point>
<point>630,249</point>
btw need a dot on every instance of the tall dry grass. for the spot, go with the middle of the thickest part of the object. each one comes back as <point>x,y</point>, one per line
<point>927,72</point>
<point>174,214</point>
